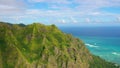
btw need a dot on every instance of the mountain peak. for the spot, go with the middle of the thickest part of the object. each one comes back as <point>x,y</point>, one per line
<point>40,46</point>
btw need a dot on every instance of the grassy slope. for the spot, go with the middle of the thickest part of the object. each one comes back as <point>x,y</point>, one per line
<point>40,46</point>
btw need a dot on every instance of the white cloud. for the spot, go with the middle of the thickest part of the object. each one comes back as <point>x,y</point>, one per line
<point>84,9</point>
<point>33,11</point>
<point>81,4</point>
<point>7,12</point>
<point>95,13</point>
<point>118,18</point>
<point>6,7</point>
<point>88,20</point>
<point>12,7</point>
<point>73,20</point>
<point>63,21</point>
<point>12,3</point>
<point>50,1</point>
<point>98,3</point>
<point>53,13</point>
<point>67,13</point>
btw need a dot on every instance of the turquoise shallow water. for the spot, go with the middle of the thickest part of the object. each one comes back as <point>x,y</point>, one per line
<point>103,41</point>
<point>107,48</point>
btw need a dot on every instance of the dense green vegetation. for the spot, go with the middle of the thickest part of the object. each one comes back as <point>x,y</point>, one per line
<point>40,46</point>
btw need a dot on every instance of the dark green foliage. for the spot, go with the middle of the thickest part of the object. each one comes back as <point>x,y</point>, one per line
<point>97,62</point>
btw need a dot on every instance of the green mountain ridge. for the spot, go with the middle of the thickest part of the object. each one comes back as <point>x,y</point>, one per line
<point>40,46</point>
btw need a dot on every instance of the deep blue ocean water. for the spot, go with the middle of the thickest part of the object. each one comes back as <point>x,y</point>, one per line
<point>101,41</point>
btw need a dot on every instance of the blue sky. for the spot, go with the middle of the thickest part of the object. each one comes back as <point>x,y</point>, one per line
<point>61,12</point>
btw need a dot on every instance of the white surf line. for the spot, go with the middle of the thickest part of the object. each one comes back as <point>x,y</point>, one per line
<point>115,53</point>
<point>91,45</point>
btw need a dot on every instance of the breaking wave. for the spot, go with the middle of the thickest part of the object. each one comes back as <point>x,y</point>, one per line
<point>91,45</point>
<point>115,53</point>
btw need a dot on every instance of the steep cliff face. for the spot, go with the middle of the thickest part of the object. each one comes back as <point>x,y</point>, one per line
<point>40,46</point>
